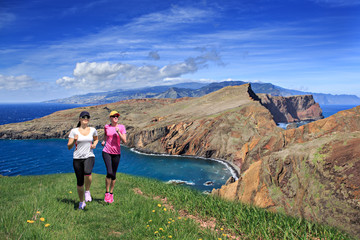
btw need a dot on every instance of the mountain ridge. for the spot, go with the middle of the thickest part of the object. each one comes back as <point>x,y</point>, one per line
<point>194,89</point>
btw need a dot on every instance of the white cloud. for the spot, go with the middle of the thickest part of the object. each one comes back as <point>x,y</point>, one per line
<point>14,83</point>
<point>129,42</point>
<point>105,76</point>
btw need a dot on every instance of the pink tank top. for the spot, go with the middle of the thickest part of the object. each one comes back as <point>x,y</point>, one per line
<point>113,140</point>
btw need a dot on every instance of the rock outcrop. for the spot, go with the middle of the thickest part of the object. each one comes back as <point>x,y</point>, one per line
<point>296,171</point>
<point>312,172</point>
<point>292,109</point>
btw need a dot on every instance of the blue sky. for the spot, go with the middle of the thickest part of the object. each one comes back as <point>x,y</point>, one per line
<point>53,49</point>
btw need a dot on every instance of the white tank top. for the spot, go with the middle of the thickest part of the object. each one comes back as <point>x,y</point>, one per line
<point>83,144</point>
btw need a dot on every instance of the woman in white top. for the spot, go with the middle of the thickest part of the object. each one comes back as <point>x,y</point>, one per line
<point>85,139</point>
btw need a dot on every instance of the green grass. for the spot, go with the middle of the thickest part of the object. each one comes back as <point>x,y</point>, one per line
<point>137,213</point>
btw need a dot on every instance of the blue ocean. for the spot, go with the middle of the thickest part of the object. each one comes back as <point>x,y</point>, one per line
<point>39,157</point>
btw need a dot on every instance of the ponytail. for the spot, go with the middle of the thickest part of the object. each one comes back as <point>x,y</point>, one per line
<point>79,124</point>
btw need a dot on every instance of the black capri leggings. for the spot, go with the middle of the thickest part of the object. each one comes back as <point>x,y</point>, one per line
<point>111,162</point>
<point>83,167</point>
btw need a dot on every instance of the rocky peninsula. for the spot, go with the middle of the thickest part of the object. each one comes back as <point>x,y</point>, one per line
<point>310,171</point>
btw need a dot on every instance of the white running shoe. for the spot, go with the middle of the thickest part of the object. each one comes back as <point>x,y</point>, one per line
<point>88,196</point>
<point>82,205</point>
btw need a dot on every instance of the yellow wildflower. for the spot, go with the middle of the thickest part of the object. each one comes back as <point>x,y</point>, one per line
<point>170,236</point>
<point>169,222</point>
<point>161,229</point>
<point>153,210</point>
<point>159,205</point>
<point>42,219</point>
<point>221,229</point>
<point>179,218</point>
<point>165,209</point>
<point>150,220</point>
<point>46,225</point>
<point>38,212</point>
<point>30,221</point>
<point>156,232</point>
<point>70,191</point>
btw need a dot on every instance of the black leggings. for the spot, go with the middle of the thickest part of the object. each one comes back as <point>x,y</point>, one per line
<point>82,168</point>
<point>111,162</point>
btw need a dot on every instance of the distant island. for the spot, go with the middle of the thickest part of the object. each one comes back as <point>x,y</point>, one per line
<point>195,89</point>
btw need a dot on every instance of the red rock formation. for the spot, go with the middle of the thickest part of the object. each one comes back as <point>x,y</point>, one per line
<point>292,109</point>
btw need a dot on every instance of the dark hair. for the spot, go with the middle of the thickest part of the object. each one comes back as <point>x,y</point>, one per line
<point>82,114</point>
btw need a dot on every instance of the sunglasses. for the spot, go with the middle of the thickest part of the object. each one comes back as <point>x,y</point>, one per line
<point>116,116</point>
<point>85,117</point>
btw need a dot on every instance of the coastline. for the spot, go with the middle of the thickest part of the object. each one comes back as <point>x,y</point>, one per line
<point>234,170</point>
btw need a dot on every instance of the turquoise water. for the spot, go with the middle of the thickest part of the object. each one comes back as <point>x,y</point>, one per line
<point>39,157</point>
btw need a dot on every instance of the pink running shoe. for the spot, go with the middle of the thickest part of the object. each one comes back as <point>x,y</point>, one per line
<point>107,197</point>
<point>111,199</point>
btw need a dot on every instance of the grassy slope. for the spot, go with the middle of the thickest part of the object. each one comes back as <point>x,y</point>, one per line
<point>136,213</point>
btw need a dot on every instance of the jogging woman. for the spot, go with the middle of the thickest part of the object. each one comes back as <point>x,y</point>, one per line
<point>114,133</point>
<point>85,139</point>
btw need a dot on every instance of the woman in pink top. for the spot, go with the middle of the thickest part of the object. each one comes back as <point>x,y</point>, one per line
<point>114,133</point>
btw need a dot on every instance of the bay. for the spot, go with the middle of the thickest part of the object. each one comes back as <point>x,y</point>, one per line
<point>50,156</point>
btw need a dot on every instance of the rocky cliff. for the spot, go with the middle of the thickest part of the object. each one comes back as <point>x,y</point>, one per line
<point>312,171</point>
<point>295,171</point>
<point>292,109</point>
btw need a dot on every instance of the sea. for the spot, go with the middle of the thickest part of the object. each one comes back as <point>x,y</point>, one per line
<point>51,156</point>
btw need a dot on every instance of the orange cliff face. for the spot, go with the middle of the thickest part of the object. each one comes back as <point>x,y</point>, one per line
<point>292,109</point>
<point>216,125</point>
<point>221,136</point>
<point>311,171</point>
